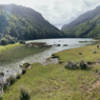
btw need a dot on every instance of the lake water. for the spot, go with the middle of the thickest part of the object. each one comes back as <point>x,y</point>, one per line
<point>12,68</point>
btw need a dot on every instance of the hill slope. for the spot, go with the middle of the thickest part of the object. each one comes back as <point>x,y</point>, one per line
<point>86,25</point>
<point>23,23</point>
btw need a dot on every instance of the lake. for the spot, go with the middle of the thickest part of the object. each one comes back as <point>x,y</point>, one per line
<point>13,68</point>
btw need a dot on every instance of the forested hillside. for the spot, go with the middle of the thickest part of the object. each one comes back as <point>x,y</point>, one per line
<point>21,23</point>
<point>86,25</point>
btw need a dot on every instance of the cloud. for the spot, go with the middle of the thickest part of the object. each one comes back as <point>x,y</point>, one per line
<point>58,12</point>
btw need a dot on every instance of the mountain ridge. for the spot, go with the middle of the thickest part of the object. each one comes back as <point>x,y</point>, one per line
<point>84,25</point>
<point>23,23</point>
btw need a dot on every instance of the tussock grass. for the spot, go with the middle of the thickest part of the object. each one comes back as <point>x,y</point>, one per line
<point>54,82</point>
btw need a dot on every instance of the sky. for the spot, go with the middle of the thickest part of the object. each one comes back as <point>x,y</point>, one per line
<point>57,12</point>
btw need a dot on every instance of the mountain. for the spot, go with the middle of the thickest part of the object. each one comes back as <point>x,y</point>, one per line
<point>86,25</point>
<point>22,23</point>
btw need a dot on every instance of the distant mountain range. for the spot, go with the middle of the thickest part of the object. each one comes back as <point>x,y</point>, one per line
<point>22,23</point>
<point>86,25</point>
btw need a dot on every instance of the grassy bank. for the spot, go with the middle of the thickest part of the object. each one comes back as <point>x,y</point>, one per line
<point>16,52</point>
<point>54,82</point>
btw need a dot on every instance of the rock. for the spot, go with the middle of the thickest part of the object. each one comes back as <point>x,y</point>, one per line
<point>25,66</point>
<point>71,65</point>
<point>58,45</point>
<point>65,45</point>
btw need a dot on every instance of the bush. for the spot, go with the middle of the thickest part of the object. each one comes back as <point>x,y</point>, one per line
<point>98,46</point>
<point>71,65</point>
<point>55,56</point>
<point>7,40</point>
<point>18,77</point>
<point>26,65</point>
<point>80,53</point>
<point>1,98</point>
<point>23,71</point>
<point>61,62</point>
<point>83,65</point>
<point>24,95</point>
<point>94,52</point>
<point>90,63</point>
<point>22,42</point>
<point>3,42</point>
<point>11,80</point>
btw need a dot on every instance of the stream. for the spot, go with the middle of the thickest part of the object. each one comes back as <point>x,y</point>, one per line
<point>13,68</point>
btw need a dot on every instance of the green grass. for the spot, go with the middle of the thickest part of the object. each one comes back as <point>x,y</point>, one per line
<point>16,52</point>
<point>54,82</point>
<point>87,54</point>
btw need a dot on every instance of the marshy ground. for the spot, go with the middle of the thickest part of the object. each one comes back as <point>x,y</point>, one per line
<point>16,52</point>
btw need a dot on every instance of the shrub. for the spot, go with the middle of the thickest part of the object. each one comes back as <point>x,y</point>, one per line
<point>26,65</point>
<point>1,98</point>
<point>24,95</point>
<point>98,46</point>
<point>80,53</point>
<point>83,65</point>
<point>94,52</point>
<point>18,77</point>
<point>3,42</point>
<point>71,65</point>
<point>7,40</point>
<point>90,63</point>
<point>5,86</point>
<point>23,71</point>
<point>22,42</point>
<point>11,80</point>
<point>61,62</point>
<point>55,56</point>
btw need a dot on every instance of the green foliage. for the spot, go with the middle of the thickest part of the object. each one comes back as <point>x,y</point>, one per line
<point>83,65</point>
<point>87,28</point>
<point>22,42</point>
<point>25,24</point>
<point>1,98</point>
<point>7,39</point>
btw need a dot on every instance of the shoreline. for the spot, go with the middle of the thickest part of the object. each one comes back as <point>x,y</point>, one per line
<point>64,56</point>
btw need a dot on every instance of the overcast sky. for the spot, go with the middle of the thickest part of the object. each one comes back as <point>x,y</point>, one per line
<point>57,12</point>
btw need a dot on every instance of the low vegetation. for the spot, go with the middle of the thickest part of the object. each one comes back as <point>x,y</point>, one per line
<point>86,25</point>
<point>55,82</point>
<point>24,95</point>
<point>16,52</point>
<point>24,23</point>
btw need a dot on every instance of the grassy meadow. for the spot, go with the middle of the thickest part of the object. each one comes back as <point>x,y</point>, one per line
<point>16,52</point>
<point>55,82</point>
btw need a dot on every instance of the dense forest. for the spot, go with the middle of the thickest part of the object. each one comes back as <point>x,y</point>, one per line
<point>86,25</point>
<point>22,23</point>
